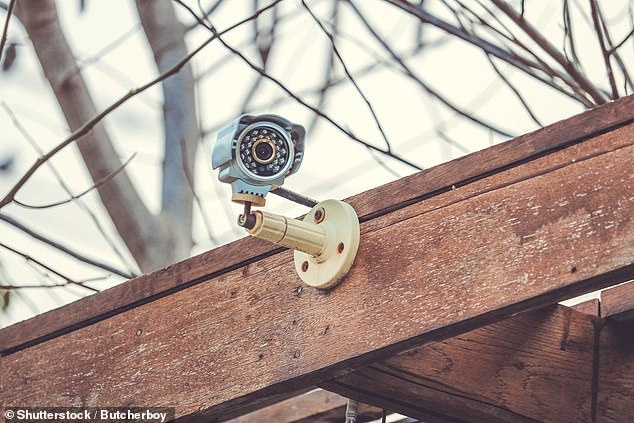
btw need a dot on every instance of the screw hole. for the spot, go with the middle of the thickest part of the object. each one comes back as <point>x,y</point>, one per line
<point>574,269</point>
<point>305,266</point>
<point>340,248</point>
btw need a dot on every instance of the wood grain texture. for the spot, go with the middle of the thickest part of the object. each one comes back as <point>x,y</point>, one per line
<point>592,307</point>
<point>318,406</point>
<point>615,402</point>
<point>535,234</point>
<point>390,197</point>
<point>618,303</point>
<point>532,367</point>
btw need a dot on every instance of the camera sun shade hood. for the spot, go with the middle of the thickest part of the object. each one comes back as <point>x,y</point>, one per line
<point>247,187</point>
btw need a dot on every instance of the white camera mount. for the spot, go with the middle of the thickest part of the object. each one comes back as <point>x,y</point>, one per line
<point>325,242</point>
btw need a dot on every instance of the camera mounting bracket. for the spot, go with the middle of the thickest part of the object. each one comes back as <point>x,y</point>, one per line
<point>325,242</point>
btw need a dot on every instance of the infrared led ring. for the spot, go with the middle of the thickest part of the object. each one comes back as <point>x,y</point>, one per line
<point>265,150</point>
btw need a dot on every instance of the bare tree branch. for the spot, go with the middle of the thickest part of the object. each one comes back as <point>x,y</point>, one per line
<point>419,81</point>
<point>89,125</point>
<point>165,35</point>
<point>546,68</point>
<point>349,75</point>
<point>507,56</point>
<point>525,65</point>
<point>140,230</point>
<point>46,240</point>
<point>264,39</point>
<point>515,91</point>
<point>540,40</point>
<point>329,71</point>
<point>206,13</point>
<point>623,41</point>
<point>44,266</point>
<point>598,28</point>
<point>60,180</point>
<point>569,39</point>
<point>3,38</point>
<point>192,188</point>
<point>284,88</point>
<point>614,52</point>
<point>12,287</point>
<point>98,184</point>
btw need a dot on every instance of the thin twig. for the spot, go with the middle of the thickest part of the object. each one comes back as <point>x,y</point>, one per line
<point>190,183</point>
<point>264,50</point>
<point>206,14</point>
<point>577,93</point>
<point>545,67</point>
<point>11,287</point>
<point>517,93</point>
<point>87,127</point>
<point>96,185</point>
<point>569,39</point>
<point>525,65</point>
<point>349,75</point>
<point>27,136</point>
<point>39,263</point>
<point>408,72</point>
<point>283,87</point>
<point>329,72</point>
<point>614,52</point>
<point>545,45</point>
<point>623,41</point>
<point>46,240</point>
<point>5,30</point>
<point>508,56</point>
<point>446,138</point>
<point>604,50</point>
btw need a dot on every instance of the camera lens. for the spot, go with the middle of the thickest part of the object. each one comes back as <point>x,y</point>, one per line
<point>263,151</point>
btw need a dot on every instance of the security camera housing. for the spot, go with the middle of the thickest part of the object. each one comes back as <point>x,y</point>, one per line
<point>256,153</point>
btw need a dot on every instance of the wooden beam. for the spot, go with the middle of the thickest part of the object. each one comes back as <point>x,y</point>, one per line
<point>591,307</point>
<point>393,196</point>
<point>615,386</point>
<point>526,236</point>
<point>536,366</point>
<point>318,406</point>
<point>618,303</point>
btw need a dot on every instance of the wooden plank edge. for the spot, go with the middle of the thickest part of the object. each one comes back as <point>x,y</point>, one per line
<point>318,406</point>
<point>438,385</point>
<point>617,303</point>
<point>592,307</point>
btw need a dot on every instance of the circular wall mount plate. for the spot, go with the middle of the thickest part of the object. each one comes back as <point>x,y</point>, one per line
<point>342,228</point>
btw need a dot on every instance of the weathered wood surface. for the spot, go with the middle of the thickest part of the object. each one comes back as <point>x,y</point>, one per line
<point>313,407</point>
<point>591,307</point>
<point>615,402</point>
<point>536,366</point>
<point>618,303</point>
<point>390,197</point>
<point>534,234</point>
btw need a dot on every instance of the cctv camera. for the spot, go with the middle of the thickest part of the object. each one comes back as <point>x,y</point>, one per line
<point>256,153</point>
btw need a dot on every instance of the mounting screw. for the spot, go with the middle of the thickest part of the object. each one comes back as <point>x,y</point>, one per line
<point>320,213</point>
